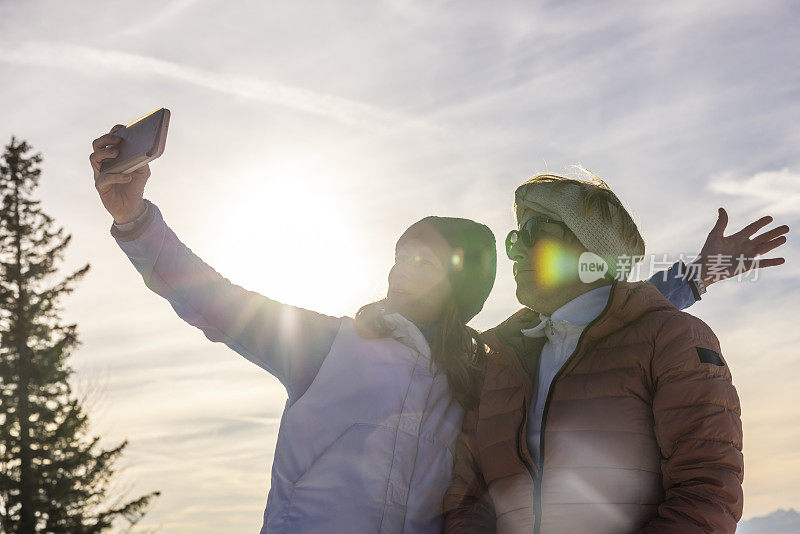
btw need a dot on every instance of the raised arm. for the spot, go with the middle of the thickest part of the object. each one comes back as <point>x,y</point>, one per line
<point>289,342</point>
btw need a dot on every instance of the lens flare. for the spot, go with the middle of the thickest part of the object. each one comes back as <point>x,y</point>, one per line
<point>553,263</point>
<point>457,259</point>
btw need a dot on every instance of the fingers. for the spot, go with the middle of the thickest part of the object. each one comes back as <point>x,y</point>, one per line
<point>772,234</point>
<point>104,181</point>
<point>763,248</point>
<point>98,156</point>
<point>722,222</point>
<point>102,150</point>
<point>769,262</point>
<point>753,227</point>
<point>107,139</point>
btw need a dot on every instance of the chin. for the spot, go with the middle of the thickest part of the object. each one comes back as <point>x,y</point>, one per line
<point>527,302</point>
<point>523,296</point>
<point>530,295</point>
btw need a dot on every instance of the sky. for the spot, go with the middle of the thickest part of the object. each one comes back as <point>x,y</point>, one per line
<point>306,136</point>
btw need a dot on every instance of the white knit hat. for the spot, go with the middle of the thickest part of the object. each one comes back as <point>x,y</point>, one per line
<point>561,200</point>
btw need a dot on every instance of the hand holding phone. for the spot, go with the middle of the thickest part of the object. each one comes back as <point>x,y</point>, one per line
<point>122,191</point>
<point>143,140</point>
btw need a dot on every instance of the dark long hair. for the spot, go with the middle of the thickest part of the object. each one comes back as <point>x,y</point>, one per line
<point>456,349</point>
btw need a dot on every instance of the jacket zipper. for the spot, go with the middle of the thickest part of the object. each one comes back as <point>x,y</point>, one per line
<point>537,495</point>
<point>520,436</point>
<point>521,442</point>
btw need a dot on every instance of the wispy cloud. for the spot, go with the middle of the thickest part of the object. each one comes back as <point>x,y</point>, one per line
<point>776,191</point>
<point>89,61</point>
<point>164,15</point>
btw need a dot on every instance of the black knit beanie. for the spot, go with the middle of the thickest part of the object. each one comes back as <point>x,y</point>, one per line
<point>467,250</point>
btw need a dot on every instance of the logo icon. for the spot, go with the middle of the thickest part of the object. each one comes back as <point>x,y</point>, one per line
<point>591,267</point>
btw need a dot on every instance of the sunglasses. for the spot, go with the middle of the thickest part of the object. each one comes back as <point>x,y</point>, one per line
<point>529,232</point>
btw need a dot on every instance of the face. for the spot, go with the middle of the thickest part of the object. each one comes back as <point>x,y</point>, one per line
<point>418,285</point>
<point>548,267</point>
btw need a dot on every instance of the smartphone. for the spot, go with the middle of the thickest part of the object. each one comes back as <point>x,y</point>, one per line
<point>143,140</point>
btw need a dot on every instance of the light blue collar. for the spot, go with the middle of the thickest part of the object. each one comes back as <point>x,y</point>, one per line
<point>575,314</point>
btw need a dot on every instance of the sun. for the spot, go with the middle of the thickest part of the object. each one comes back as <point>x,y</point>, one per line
<point>292,237</point>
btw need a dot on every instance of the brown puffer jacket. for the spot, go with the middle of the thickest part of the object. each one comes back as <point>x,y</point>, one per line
<point>641,430</point>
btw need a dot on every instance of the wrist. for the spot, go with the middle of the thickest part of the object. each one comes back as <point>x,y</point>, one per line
<point>697,275</point>
<point>142,208</point>
<point>702,273</point>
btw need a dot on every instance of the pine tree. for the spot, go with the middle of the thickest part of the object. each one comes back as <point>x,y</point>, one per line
<point>54,476</point>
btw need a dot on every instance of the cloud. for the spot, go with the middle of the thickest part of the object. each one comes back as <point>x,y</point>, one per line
<point>89,61</point>
<point>778,191</point>
<point>166,14</point>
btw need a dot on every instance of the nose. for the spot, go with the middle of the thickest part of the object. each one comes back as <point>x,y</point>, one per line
<point>517,251</point>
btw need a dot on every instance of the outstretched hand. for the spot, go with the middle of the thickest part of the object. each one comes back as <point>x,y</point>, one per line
<point>723,257</point>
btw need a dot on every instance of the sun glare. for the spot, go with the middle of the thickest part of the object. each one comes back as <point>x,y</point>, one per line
<point>288,236</point>
<point>553,263</point>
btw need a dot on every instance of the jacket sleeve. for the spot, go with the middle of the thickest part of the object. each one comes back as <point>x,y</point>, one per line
<point>467,504</point>
<point>699,431</point>
<point>289,342</point>
<point>675,287</point>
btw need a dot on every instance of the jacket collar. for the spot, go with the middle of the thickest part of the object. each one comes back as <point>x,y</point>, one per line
<point>408,334</point>
<point>573,316</point>
<point>627,302</point>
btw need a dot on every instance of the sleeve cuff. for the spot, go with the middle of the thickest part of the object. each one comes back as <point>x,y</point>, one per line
<point>133,229</point>
<point>688,274</point>
<point>130,225</point>
<point>694,289</point>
